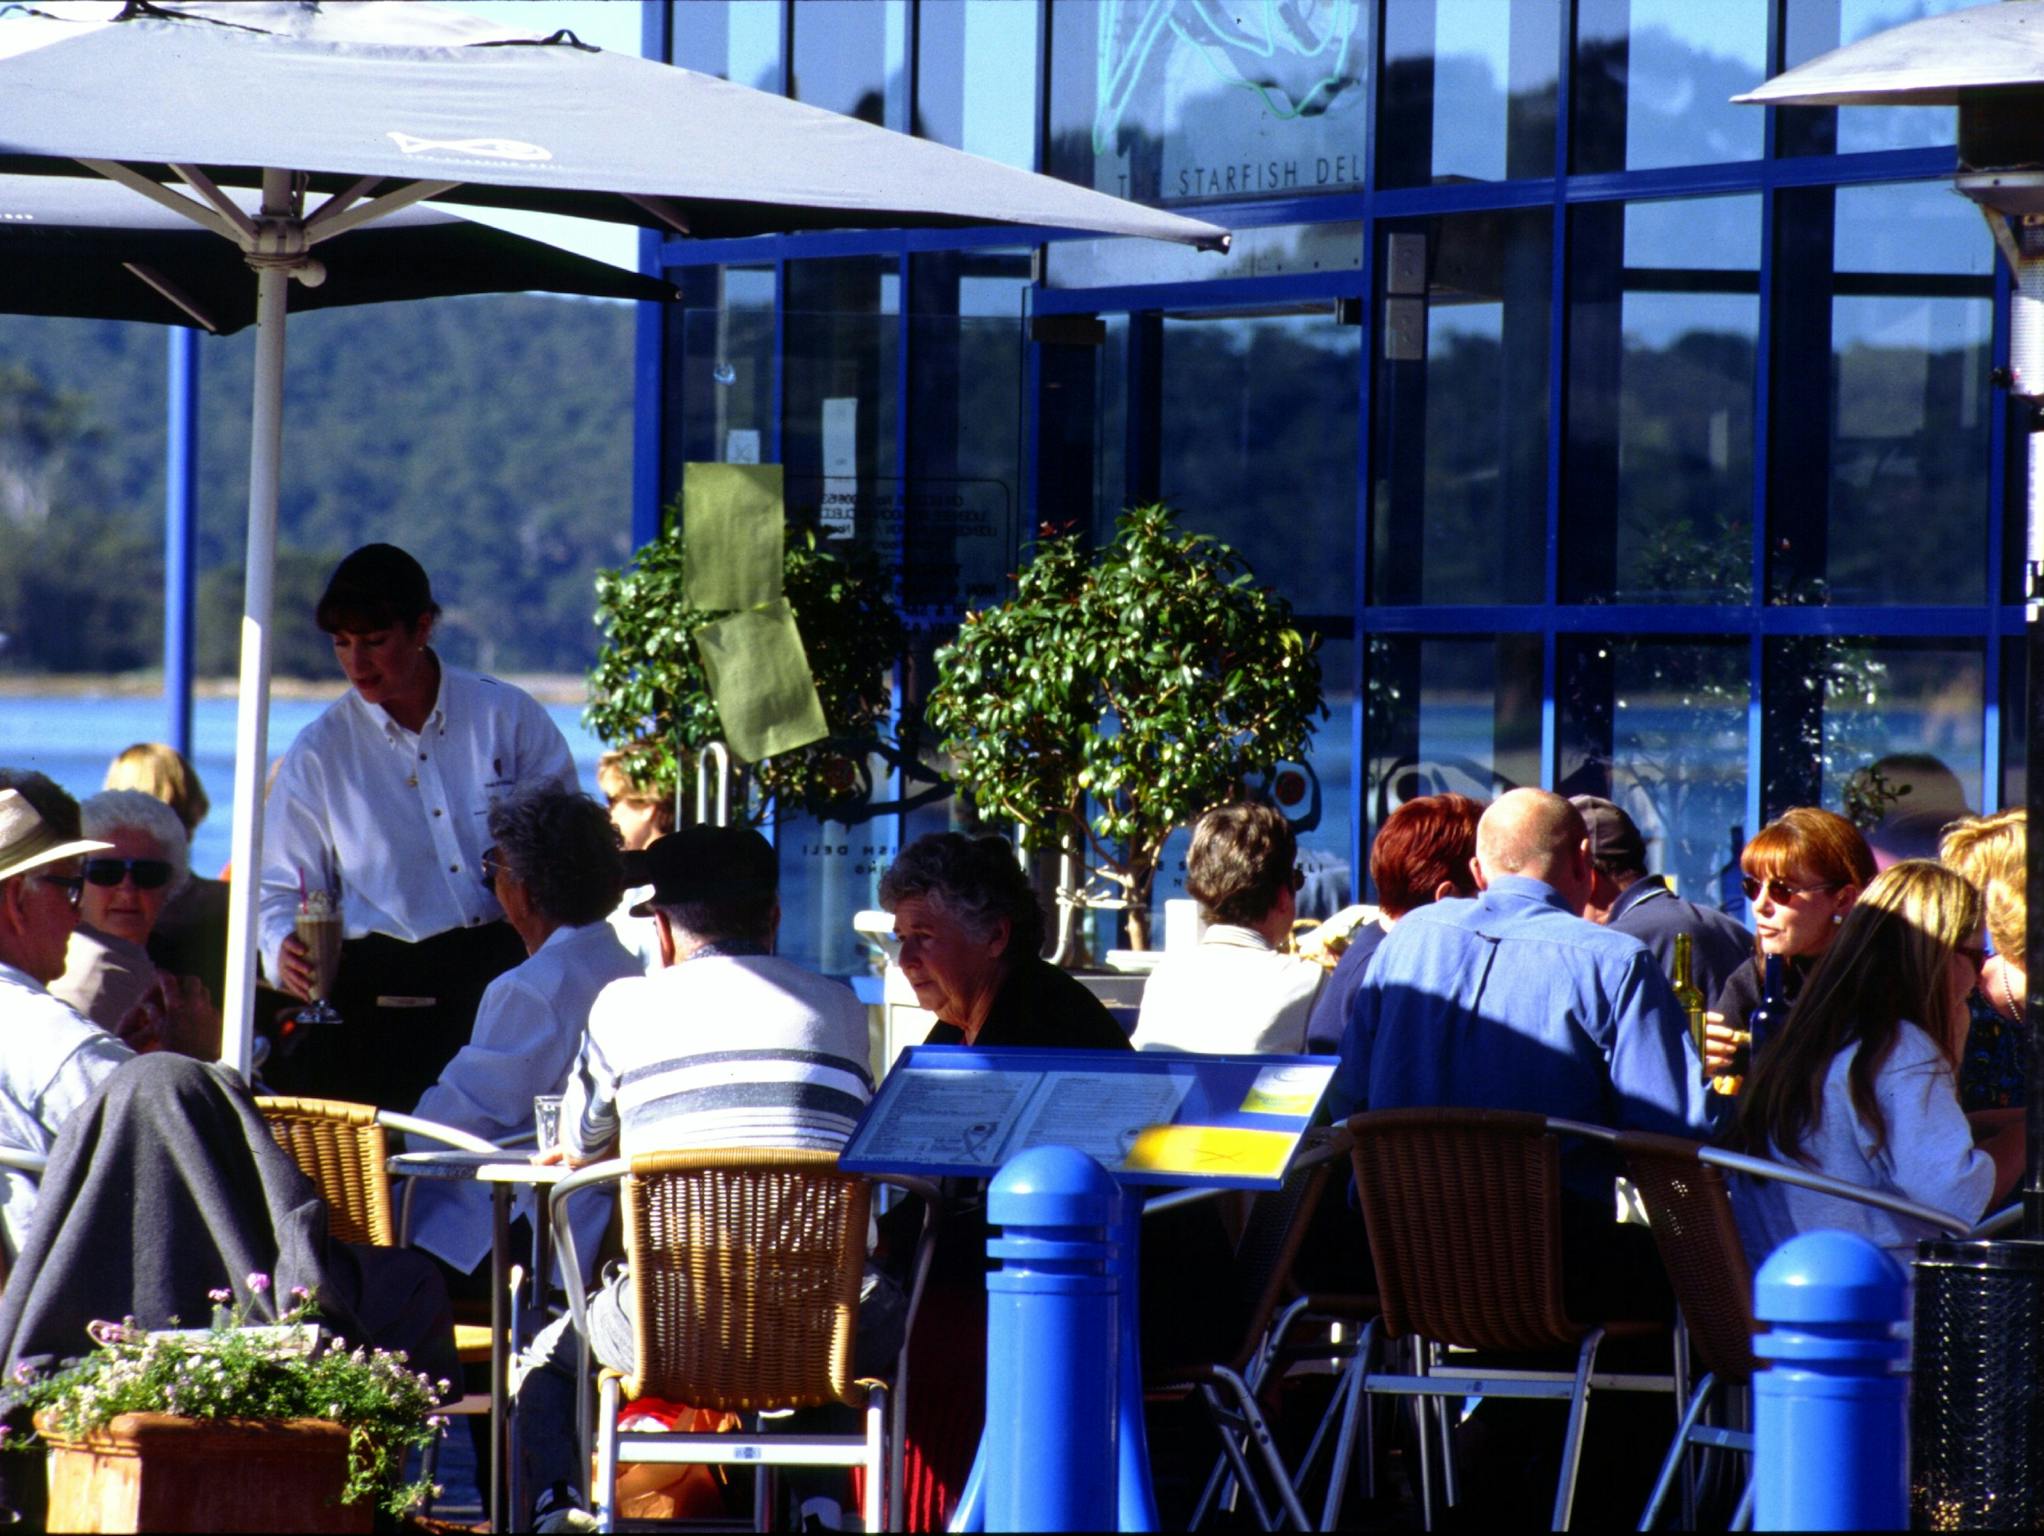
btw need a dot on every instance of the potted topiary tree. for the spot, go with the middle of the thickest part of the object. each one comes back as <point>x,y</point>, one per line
<point>1152,678</point>
<point>650,697</point>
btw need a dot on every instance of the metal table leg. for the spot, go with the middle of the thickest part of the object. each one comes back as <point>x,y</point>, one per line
<point>500,1323</point>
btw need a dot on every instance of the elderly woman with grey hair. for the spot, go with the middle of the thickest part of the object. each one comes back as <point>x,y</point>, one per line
<point>555,866</point>
<point>108,975</point>
<point>971,934</point>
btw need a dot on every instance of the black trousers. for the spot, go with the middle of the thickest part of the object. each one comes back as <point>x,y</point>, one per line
<point>406,1009</point>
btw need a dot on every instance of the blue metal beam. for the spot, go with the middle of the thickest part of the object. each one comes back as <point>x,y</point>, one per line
<point>1731,621</point>
<point>649,339</point>
<point>1321,288</point>
<point>180,533</point>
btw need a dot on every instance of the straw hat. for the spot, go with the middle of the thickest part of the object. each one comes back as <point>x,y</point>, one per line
<point>26,841</point>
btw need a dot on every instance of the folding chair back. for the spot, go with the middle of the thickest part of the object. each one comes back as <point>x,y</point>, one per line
<point>344,1151</point>
<point>1265,1273</point>
<point>1267,1255</point>
<point>745,1273</point>
<point>1690,1210</point>
<point>1463,1210</point>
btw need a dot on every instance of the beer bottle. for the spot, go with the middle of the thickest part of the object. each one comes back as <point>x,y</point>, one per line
<point>1768,1018</point>
<point>1686,993</point>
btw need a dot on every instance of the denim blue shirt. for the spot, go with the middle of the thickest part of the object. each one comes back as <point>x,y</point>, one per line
<point>1507,1000</point>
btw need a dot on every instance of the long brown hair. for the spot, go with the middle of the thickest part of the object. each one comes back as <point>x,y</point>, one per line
<point>1887,964</point>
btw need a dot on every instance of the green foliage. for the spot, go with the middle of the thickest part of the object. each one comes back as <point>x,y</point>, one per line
<point>1870,794</point>
<point>1152,677</point>
<point>82,592</point>
<point>651,700</point>
<point>490,436</point>
<point>233,1371</point>
<point>298,647</point>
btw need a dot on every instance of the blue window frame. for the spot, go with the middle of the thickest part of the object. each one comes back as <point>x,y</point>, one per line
<point>1684,407</point>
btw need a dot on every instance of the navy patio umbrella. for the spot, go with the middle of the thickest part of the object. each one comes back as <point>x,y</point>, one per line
<point>341,114</point>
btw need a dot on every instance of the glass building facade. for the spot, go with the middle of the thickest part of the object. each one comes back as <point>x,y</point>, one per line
<point>1611,437</point>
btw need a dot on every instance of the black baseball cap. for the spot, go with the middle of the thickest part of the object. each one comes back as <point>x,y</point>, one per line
<point>702,863</point>
<point>1615,842</point>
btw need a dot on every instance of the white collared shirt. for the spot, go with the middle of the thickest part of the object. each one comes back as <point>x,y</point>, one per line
<point>1230,994</point>
<point>528,1030</point>
<point>399,821</point>
<point>640,935</point>
<point>51,1059</point>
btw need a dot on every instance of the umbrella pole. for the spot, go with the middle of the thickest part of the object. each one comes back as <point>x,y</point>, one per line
<point>2026,383</point>
<point>252,713</point>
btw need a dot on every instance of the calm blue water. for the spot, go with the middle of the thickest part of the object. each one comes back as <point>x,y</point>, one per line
<point>72,739</point>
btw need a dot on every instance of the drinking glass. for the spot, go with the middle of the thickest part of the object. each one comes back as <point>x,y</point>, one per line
<point>546,1119</point>
<point>319,930</point>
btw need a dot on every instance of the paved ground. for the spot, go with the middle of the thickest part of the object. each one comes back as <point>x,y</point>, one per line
<point>461,1501</point>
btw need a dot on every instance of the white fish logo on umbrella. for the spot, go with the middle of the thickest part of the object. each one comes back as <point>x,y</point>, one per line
<point>494,149</point>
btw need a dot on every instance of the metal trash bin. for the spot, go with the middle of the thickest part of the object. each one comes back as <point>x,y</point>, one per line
<point>1976,1410</point>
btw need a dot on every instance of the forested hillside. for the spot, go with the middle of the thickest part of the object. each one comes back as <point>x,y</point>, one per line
<point>490,436</point>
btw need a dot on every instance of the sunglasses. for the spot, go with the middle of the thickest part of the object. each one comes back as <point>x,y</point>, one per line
<point>493,865</point>
<point>148,874</point>
<point>72,886</point>
<point>1780,892</point>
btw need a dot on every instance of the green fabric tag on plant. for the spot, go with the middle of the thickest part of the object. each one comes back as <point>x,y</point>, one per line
<point>732,517</point>
<point>759,675</point>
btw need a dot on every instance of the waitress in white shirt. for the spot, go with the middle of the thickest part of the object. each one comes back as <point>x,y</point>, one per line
<point>384,802</point>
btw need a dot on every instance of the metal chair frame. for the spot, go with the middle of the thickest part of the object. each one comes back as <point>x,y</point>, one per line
<point>1429,1377</point>
<point>372,1220</point>
<point>1228,1389</point>
<point>878,1449</point>
<point>1692,1432</point>
<point>1237,1417</point>
<point>35,1164</point>
<point>399,1232</point>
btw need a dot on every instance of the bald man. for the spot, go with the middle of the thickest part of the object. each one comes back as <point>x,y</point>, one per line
<point>1512,1000</point>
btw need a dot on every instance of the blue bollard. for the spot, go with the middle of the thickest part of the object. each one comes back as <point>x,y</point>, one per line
<point>1049,1453</point>
<point>1830,1415</point>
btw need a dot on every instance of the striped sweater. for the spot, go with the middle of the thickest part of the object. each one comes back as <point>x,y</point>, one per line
<point>719,1051</point>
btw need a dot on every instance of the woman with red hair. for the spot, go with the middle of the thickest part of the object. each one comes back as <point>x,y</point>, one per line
<point>1425,851</point>
<point>1803,872</point>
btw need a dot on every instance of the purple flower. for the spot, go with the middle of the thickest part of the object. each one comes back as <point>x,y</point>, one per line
<point>300,1293</point>
<point>221,1294</point>
<point>258,1282</point>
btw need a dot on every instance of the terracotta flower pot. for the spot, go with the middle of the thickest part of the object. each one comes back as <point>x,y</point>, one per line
<point>154,1472</point>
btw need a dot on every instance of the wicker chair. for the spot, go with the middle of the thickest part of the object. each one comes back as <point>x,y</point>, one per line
<point>745,1267</point>
<point>1690,1211</point>
<point>1463,1210</point>
<point>1690,1208</point>
<point>345,1150</point>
